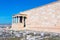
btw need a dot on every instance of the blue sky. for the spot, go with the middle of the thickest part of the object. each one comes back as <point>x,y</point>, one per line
<point>11,7</point>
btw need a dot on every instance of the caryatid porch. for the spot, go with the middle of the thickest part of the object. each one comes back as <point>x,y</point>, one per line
<point>18,21</point>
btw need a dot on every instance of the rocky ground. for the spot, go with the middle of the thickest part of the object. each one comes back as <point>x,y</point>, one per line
<point>28,35</point>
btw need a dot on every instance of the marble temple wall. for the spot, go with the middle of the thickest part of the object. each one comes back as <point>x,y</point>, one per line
<point>44,18</point>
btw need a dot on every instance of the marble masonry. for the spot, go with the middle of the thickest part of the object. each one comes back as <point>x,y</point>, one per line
<point>43,18</point>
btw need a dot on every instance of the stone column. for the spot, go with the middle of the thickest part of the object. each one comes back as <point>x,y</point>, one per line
<point>18,19</point>
<point>15,19</point>
<point>12,19</point>
<point>24,21</point>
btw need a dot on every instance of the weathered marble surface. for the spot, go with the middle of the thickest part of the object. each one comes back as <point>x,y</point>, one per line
<point>44,18</point>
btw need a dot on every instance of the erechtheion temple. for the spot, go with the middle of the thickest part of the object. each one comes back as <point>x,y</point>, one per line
<point>43,18</point>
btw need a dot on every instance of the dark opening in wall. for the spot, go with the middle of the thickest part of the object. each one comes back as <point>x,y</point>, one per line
<point>21,19</point>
